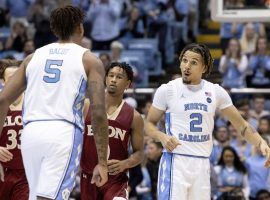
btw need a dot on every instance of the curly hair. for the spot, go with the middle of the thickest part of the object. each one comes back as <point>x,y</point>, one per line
<point>6,63</point>
<point>64,20</point>
<point>204,51</point>
<point>125,66</point>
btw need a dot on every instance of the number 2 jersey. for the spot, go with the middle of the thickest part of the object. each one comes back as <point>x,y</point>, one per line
<point>119,135</point>
<point>10,138</point>
<point>56,84</point>
<point>190,111</point>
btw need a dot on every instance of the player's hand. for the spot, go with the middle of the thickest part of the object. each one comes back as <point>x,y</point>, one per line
<point>116,166</point>
<point>100,175</point>
<point>5,155</point>
<point>169,142</point>
<point>264,148</point>
<point>2,174</point>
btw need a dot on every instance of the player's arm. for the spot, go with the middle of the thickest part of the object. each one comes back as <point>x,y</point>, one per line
<point>12,90</point>
<point>86,106</point>
<point>153,117</point>
<point>136,141</point>
<point>96,93</point>
<point>247,131</point>
<point>95,73</point>
<point>117,166</point>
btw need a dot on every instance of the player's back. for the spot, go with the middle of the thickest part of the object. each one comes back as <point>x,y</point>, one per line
<point>56,84</point>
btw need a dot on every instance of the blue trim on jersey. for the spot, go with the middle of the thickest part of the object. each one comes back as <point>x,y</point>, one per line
<point>78,103</point>
<point>187,155</point>
<point>165,176</point>
<point>168,123</point>
<point>67,182</point>
<point>63,120</point>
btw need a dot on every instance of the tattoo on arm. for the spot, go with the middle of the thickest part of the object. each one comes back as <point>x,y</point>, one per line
<point>98,119</point>
<point>248,129</point>
<point>243,132</point>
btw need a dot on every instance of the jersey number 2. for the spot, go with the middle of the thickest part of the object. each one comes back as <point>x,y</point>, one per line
<point>196,122</point>
<point>53,73</point>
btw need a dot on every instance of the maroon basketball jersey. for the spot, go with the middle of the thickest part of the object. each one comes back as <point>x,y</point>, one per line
<point>10,138</point>
<point>119,134</point>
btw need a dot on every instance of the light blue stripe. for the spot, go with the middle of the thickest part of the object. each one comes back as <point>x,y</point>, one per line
<point>68,182</point>
<point>78,103</point>
<point>168,123</point>
<point>187,155</point>
<point>165,176</point>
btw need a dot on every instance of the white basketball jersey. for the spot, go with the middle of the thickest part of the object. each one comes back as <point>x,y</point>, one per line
<point>190,114</point>
<point>56,84</point>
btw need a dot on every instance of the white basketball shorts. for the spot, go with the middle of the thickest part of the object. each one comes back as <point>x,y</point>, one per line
<point>183,177</point>
<point>51,152</point>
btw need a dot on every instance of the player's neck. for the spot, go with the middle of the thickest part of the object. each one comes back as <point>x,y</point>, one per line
<point>114,101</point>
<point>74,40</point>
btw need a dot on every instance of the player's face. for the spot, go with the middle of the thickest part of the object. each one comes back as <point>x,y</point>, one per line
<point>9,72</point>
<point>117,81</point>
<point>192,68</point>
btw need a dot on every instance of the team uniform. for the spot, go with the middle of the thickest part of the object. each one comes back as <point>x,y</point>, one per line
<point>15,184</point>
<point>119,135</point>
<point>53,122</point>
<point>190,111</point>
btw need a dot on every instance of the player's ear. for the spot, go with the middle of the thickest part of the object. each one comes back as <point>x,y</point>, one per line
<point>204,69</point>
<point>128,84</point>
<point>81,29</point>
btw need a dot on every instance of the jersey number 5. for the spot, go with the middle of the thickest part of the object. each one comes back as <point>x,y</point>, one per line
<point>196,122</point>
<point>53,73</point>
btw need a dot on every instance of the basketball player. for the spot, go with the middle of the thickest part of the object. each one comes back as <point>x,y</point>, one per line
<point>189,104</point>
<point>55,79</point>
<point>14,184</point>
<point>125,124</point>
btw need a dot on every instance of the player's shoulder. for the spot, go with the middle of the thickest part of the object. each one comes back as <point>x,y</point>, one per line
<point>215,86</point>
<point>170,84</point>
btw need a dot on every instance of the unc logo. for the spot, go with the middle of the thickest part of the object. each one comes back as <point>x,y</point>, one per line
<point>65,194</point>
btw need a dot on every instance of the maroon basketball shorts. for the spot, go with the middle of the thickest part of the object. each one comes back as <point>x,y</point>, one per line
<point>114,189</point>
<point>15,185</point>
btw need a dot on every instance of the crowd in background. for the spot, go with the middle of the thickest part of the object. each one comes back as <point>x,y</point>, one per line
<point>110,25</point>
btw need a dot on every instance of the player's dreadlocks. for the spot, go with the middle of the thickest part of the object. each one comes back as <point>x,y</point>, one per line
<point>64,20</point>
<point>203,50</point>
<point>5,63</point>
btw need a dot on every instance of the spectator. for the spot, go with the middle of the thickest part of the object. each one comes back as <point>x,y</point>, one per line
<point>248,39</point>
<point>28,48</point>
<point>263,195</point>
<point>258,110</point>
<point>259,64</point>
<point>153,153</point>
<point>104,15</point>
<point>264,127</point>
<point>233,66</point>
<point>228,31</point>
<point>221,140</point>
<point>134,26</point>
<point>258,175</point>
<point>244,108</point>
<point>17,37</point>
<point>106,59</point>
<point>231,173</point>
